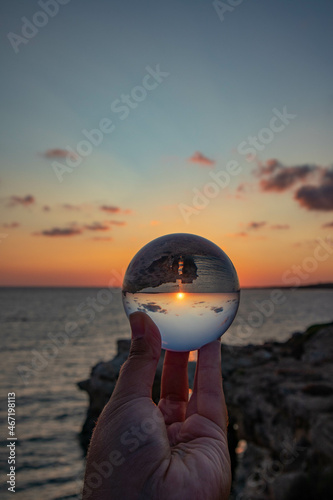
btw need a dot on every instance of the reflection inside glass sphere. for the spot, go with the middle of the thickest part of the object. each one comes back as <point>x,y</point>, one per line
<point>187,285</point>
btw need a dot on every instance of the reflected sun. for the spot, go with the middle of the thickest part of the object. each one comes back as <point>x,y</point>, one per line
<point>180,295</point>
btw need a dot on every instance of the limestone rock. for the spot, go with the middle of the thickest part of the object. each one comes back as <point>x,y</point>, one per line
<point>280,403</point>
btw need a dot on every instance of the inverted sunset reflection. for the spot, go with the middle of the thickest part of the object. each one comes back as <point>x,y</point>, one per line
<point>186,321</point>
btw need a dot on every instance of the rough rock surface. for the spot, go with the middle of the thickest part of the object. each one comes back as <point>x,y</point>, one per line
<point>280,403</point>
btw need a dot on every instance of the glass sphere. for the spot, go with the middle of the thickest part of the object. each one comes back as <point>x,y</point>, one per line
<point>187,285</point>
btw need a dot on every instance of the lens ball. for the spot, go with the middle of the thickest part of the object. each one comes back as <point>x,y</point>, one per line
<point>187,285</point>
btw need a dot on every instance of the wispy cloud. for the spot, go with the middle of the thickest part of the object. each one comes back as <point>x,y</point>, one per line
<point>10,225</point>
<point>97,226</point>
<point>24,201</point>
<point>102,238</point>
<point>59,153</point>
<point>256,225</point>
<point>280,226</point>
<point>69,206</point>
<point>312,243</point>
<point>116,222</point>
<point>244,187</point>
<point>241,234</point>
<point>270,166</point>
<point>201,160</point>
<point>327,224</point>
<point>60,231</point>
<point>74,229</point>
<point>112,209</point>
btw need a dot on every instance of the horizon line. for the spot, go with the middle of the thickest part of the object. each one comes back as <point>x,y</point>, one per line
<point>306,285</point>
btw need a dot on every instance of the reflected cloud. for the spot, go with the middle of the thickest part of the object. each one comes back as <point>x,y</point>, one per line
<point>217,309</point>
<point>152,307</point>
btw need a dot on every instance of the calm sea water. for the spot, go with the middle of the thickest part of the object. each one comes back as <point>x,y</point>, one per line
<point>50,408</point>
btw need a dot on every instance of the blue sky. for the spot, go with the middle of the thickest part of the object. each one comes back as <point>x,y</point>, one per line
<point>225,78</point>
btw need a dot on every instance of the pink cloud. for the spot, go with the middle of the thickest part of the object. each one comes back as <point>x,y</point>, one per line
<point>201,159</point>
<point>60,153</point>
<point>112,209</point>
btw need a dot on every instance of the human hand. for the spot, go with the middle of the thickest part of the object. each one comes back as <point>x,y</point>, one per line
<point>177,450</point>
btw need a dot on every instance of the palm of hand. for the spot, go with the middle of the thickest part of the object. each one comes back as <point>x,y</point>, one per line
<point>177,450</point>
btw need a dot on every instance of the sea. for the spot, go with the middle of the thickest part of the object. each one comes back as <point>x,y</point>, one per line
<point>50,340</point>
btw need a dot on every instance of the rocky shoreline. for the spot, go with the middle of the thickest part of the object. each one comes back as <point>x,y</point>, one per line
<point>280,404</point>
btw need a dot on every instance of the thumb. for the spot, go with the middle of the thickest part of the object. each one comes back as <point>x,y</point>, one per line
<point>137,374</point>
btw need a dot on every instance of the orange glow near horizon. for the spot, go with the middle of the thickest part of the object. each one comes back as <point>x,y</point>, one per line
<point>82,261</point>
<point>180,295</point>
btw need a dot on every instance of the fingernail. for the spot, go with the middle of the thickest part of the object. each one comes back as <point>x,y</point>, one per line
<point>137,321</point>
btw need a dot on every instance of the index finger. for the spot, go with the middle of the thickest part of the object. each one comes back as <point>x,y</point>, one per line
<point>208,397</point>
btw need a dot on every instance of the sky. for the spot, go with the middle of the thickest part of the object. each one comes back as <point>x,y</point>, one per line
<point>125,121</point>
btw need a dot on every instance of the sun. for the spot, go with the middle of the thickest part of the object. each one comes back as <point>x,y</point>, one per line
<point>180,295</point>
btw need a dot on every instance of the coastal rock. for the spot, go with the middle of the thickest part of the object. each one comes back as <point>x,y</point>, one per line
<point>280,404</point>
